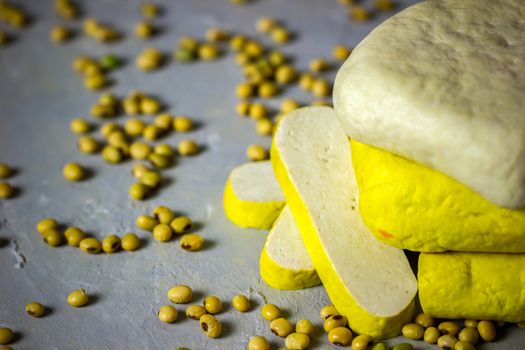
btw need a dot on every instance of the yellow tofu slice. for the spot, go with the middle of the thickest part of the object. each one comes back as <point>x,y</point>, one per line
<point>368,281</point>
<point>478,286</point>
<point>285,263</point>
<point>252,196</point>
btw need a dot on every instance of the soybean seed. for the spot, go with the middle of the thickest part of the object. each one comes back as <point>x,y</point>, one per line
<point>258,343</point>
<point>362,342</point>
<point>334,322</point>
<point>270,312</point>
<point>341,336</point>
<point>130,242</point>
<point>191,242</point>
<point>210,326</point>
<point>297,341</point>
<point>78,298</point>
<point>195,312</point>
<point>304,327</point>
<point>74,235</point>
<point>212,304</point>
<point>281,327</point>
<point>167,313</point>
<point>90,245</point>
<point>180,294</point>
<point>241,303</point>
<point>35,309</point>
<point>413,331</point>
<point>111,244</point>
<point>487,331</point>
<point>431,335</point>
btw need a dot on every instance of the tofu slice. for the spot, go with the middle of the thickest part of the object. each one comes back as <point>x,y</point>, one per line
<point>285,263</point>
<point>252,196</point>
<point>368,281</point>
<point>478,286</point>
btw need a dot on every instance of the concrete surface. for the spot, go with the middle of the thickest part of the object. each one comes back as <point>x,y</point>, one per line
<point>39,95</point>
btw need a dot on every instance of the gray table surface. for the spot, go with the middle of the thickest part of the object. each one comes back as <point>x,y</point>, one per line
<point>39,95</point>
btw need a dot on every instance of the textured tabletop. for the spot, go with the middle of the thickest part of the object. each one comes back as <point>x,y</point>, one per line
<point>40,94</point>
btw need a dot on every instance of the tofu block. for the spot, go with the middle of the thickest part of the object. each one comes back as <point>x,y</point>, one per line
<point>369,282</point>
<point>478,286</point>
<point>442,83</point>
<point>413,207</point>
<point>285,263</point>
<point>252,196</point>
